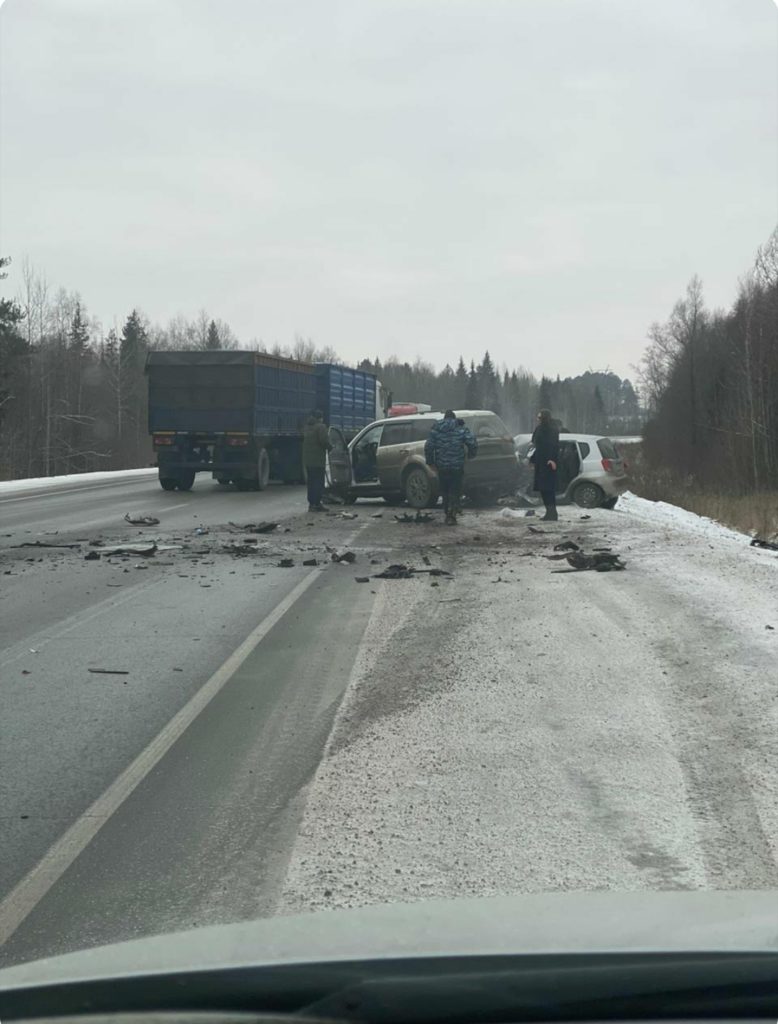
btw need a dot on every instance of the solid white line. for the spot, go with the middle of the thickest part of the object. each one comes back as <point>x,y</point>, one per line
<point>169,508</point>
<point>25,896</point>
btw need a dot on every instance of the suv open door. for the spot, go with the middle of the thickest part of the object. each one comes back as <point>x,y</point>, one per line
<point>338,464</point>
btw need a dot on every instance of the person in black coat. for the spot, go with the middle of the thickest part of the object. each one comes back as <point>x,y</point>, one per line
<point>545,459</point>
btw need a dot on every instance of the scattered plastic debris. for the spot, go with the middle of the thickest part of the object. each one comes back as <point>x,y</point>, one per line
<point>601,561</point>
<point>286,563</point>
<point>311,561</point>
<point>346,556</point>
<point>255,527</point>
<point>44,544</point>
<point>757,542</point>
<point>420,517</point>
<point>92,556</point>
<point>361,579</point>
<point>142,520</point>
<point>144,550</point>
<point>201,531</point>
<point>108,671</point>
<point>567,545</point>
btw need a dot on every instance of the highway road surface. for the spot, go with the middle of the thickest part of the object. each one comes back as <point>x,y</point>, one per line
<point>209,734</point>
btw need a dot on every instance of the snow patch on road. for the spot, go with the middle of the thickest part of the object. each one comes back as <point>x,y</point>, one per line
<point>9,487</point>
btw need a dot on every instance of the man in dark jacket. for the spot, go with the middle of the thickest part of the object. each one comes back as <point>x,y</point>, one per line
<point>445,449</point>
<point>545,459</point>
<point>316,444</point>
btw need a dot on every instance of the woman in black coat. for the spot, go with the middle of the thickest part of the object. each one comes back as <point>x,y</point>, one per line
<point>545,458</point>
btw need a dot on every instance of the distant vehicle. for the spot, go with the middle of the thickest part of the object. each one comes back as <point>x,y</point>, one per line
<point>386,460</point>
<point>408,408</point>
<point>240,415</point>
<point>591,472</point>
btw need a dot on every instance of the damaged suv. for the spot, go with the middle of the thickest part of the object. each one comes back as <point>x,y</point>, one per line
<point>386,460</point>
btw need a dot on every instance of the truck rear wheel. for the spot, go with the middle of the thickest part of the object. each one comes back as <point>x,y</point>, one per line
<point>167,483</point>
<point>186,480</point>
<point>244,485</point>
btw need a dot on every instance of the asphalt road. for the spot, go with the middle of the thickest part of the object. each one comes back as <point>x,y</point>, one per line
<point>285,739</point>
<point>211,820</point>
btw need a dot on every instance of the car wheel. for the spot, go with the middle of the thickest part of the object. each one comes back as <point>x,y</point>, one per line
<point>588,495</point>
<point>186,480</point>
<point>610,503</point>
<point>419,489</point>
<point>167,483</point>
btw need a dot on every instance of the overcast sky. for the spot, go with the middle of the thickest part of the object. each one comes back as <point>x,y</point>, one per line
<point>393,177</point>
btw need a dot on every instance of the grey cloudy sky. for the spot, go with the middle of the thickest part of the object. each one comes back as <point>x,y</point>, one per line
<point>407,177</point>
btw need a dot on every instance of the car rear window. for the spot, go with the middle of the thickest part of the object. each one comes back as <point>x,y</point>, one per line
<point>585,449</point>
<point>608,449</point>
<point>487,426</point>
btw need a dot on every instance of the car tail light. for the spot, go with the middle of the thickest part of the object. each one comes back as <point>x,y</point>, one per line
<point>237,442</point>
<point>160,439</point>
<point>607,465</point>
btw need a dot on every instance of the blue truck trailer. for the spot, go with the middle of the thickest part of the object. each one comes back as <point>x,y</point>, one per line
<point>240,415</point>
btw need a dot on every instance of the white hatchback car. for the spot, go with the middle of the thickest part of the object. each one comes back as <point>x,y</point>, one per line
<point>591,472</point>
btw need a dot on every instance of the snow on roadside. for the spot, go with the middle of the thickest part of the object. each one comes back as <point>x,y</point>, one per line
<point>553,733</point>
<point>660,513</point>
<point>72,479</point>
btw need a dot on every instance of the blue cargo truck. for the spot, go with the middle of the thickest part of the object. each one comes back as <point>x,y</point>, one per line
<point>240,415</point>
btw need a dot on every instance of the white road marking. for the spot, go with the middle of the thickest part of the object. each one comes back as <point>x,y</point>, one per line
<point>26,895</point>
<point>169,508</point>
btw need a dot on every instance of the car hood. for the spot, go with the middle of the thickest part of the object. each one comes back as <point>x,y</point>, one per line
<point>573,922</point>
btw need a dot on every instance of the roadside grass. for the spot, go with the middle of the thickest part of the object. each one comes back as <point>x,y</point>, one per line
<point>755,514</point>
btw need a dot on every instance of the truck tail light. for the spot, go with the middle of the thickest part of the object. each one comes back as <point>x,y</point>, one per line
<point>237,442</point>
<point>160,439</point>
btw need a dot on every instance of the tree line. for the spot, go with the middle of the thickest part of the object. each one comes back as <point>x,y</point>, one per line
<point>73,395</point>
<point>590,403</point>
<point>710,381</point>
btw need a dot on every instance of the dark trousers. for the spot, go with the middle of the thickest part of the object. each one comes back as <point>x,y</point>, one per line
<point>549,500</point>
<point>315,477</point>
<point>450,488</point>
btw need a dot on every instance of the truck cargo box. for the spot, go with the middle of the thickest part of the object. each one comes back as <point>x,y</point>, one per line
<point>223,392</point>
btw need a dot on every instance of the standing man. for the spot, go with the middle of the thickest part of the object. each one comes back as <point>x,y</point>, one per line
<point>445,450</point>
<point>545,458</point>
<point>316,444</point>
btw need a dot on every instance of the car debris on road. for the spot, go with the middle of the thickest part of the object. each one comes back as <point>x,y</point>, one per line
<point>600,561</point>
<point>420,517</point>
<point>255,527</point>
<point>142,520</point>
<point>345,556</point>
<point>757,542</point>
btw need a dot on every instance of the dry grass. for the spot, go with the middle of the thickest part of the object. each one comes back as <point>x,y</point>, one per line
<point>756,514</point>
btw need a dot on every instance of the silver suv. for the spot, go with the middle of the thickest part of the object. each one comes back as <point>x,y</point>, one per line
<point>591,471</point>
<point>386,460</point>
